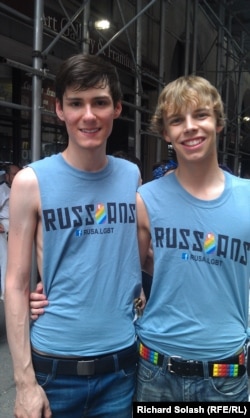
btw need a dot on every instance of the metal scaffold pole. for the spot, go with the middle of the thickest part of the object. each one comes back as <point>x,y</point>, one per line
<point>37,81</point>
<point>86,16</point>
<point>194,51</point>
<point>161,66</point>
<point>36,104</point>
<point>187,43</point>
<point>138,87</point>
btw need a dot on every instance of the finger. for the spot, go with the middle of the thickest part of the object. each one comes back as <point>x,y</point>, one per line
<point>35,313</point>
<point>39,287</point>
<point>38,304</point>
<point>47,412</point>
<point>34,296</point>
<point>34,317</point>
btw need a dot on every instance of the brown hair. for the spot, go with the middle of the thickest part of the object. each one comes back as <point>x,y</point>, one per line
<point>83,71</point>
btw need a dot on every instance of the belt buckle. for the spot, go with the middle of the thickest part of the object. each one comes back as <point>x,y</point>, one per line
<point>170,364</point>
<point>85,367</point>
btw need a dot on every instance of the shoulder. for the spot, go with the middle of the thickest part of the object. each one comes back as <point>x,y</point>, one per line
<point>153,184</point>
<point>238,180</point>
<point>25,179</point>
<point>121,162</point>
<point>126,167</point>
<point>240,186</point>
<point>24,195</point>
<point>46,162</point>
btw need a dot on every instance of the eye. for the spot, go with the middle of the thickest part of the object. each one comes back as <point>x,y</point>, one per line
<point>75,103</point>
<point>202,115</point>
<point>102,102</point>
<point>175,120</point>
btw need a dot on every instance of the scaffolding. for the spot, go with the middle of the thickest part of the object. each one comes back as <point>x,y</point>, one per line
<point>229,72</point>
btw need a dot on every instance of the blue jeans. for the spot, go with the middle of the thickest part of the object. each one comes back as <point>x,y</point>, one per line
<point>157,384</point>
<point>103,396</point>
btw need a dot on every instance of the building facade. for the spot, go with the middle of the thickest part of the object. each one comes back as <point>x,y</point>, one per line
<point>150,42</point>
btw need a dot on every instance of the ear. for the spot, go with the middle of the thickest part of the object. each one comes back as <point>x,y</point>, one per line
<point>117,110</point>
<point>59,110</point>
<point>219,129</point>
<point>165,136</point>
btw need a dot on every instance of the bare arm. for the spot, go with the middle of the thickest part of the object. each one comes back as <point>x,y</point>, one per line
<point>144,237</point>
<point>31,401</point>
<point>148,265</point>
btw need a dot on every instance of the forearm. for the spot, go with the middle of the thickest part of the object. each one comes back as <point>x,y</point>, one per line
<point>148,266</point>
<point>18,334</point>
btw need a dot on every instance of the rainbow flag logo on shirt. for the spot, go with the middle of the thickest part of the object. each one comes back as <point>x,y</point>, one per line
<point>210,243</point>
<point>100,214</point>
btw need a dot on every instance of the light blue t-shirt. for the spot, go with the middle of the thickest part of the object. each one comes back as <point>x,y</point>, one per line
<point>198,305</point>
<point>91,270</point>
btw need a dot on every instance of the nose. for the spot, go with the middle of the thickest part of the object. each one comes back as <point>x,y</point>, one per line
<point>190,124</point>
<point>88,112</point>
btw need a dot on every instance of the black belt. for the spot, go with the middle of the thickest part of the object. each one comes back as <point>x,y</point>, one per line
<point>84,366</point>
<point>230,367</point>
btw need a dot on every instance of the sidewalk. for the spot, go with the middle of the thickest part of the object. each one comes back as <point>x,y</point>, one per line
<point>7,387</point>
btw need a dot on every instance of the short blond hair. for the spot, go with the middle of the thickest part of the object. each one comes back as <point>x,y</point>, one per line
<point>183,91</point>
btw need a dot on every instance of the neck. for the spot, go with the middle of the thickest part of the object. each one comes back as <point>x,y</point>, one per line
<point>202,181</point>
<point>87,160</point>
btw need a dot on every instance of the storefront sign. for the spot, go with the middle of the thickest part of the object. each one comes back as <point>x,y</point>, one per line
<point>74,33</point>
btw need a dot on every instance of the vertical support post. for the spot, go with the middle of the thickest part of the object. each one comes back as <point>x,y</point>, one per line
<point>229,46</point>
<point>187,43</point>
<point>86,15</point>
<point>138,91</point>
<point>161,65</point>
<point>237,161</point>
<point>36,104</point>
<point>194,52</point>
<point>219,48</point>
<point>37,81</point>
<point>219,75</point>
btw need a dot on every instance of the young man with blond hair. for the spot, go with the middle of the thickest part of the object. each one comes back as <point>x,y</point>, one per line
<point>193,330</point>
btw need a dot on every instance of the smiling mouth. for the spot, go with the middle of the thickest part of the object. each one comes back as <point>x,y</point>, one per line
<point>192,142</point>
<point>89,131</point>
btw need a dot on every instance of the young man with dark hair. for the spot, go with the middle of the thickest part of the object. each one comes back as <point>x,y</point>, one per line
<point>80,358</point>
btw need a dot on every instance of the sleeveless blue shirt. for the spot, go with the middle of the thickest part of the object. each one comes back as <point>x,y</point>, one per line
<point>198,305</point>
<point>91,270</point>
